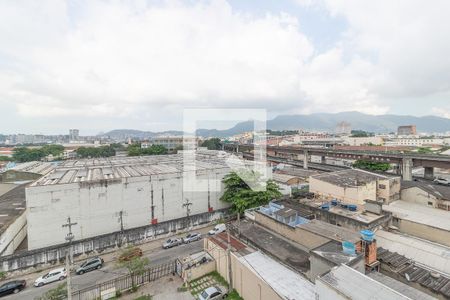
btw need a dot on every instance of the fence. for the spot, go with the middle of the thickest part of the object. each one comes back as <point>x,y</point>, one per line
<point>125,282</point>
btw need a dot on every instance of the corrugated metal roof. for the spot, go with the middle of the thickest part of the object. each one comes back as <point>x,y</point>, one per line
<point>122,167</point>
<point>358,286</point>
<point>283,281</point>
<point>417,213</point>
<point>424,252</point>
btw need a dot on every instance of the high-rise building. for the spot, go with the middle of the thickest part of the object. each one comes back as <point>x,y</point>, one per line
<point>74,134</point>
<point>407,130</point>
<point>343,128</point>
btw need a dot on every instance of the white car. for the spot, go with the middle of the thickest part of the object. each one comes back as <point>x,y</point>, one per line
<point>443,181</point>
<point>218,229</point>
<point>53,275</point>
<point>172,242</point>
<point>212,293</point>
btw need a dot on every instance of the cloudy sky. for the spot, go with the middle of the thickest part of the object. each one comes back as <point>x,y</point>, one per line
<point>101,65</point>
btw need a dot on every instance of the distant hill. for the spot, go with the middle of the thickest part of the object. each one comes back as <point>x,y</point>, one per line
<point>317,121</point>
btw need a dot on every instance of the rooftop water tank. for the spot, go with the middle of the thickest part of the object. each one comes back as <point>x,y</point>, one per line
<point>367,235</point>
<point>352,207</point>
<point>325,206</point>
<point>334,202</point>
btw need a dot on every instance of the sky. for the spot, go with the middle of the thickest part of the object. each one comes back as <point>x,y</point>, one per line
<point>102,65</point>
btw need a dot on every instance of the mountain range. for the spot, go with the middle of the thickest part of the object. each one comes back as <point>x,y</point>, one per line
<point>317,122</point>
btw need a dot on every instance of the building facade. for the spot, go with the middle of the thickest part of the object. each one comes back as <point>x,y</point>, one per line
<point>407,130</point>
<point>109,195</point>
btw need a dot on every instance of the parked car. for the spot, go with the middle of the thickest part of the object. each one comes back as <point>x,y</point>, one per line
<point>218,229</point>
<point>53,275</point>
<point>442,181</point>
<point>12,287</point>
<point>89,265</point>
<point>192,237</point>
<point>172,242</point>
<point>212,293</point>
<point>129,254</point>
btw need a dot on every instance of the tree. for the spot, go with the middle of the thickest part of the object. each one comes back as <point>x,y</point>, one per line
<point>58,293</point>
<point>137,150</point>
<point>212,144</point>
<point>241,197</point>
<point>371,165</point>
<point>136,265</point>
<point>102,151</point>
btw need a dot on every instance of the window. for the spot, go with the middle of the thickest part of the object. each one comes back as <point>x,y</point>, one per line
<point>430,203</point>
<point>382,186</point>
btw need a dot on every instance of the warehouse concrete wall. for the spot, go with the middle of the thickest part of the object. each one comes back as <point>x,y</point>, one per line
<point>108,242</point>
<point>433,234</point>
<point>95,206</point>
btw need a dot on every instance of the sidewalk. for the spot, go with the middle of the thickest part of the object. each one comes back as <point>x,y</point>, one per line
<point>165,288</point>
<point>109,257</point>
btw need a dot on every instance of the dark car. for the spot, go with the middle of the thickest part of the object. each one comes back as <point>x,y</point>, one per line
<point>12,287</point>
<point>89,265</point>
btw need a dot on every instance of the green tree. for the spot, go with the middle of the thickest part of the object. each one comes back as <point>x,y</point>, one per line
<point>371,165</point>
<point>135,266</point>
<point>57,293</point>
<point>424,150</point>
<point>102,151</point>
<point>212,144</point>
<point>241,197</point>
<point>136,150</point>
<point>5,158</point>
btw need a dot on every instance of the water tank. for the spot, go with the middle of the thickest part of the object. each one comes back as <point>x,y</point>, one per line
<point>334,202</point>
<point>348,247</point>
<point>367,235</point>
<point>352,207</point>
<point>344,205</point>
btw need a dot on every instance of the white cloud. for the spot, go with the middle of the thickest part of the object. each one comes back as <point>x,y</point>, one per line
<point>442,112</point>
<point>114,56</point>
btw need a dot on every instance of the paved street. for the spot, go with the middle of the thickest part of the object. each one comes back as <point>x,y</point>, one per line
<point>156,254</point>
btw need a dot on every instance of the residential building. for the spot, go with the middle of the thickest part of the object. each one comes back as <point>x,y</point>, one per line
<point>407,130</point>
<point>344,283</point>
<point>256,276</point>
<point>426,193</point>
<point>361,141</point>
<point>74,134</point>
<point>353,186</point>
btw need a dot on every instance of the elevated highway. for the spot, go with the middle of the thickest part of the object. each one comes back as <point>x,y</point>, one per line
<point>404,161</point>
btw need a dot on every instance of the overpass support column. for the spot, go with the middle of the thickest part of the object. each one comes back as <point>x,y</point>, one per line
<point>237,148</point>
<point>428,173</point>
<point>305,159</point>
<point>407,165</point>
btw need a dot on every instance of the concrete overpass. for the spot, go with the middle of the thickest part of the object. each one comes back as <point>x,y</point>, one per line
<point>404,161</point>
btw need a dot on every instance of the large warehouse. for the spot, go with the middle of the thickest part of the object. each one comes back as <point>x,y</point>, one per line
<point>102,195</point>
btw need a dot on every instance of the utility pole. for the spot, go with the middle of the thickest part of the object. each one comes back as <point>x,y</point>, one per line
<point>230,272</point>
<point>187,204</point>
<point>69,255</point>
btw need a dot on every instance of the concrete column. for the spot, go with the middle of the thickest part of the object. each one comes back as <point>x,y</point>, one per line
<point>428,173</point>
<point>237,148</point>
<point>407,165</point>
<point>398,169</point>
<point>305,159</point>
<point>323,160</point>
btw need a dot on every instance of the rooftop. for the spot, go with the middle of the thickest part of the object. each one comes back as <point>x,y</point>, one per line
<point>412,272</point>
<point>350,177</point>
<point>358,286</point>
<point>333,252</point>
<point>283,178</point>
<point>36,167</point>
<point>437,190</point>
<point>330,231</point>
<point>12,204</point>
<point>417,213</point>
<point>400,287</point>
<point>359,215</point>
<point>427,253</point>
<point>89,170</point>
<point>286,283</point>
